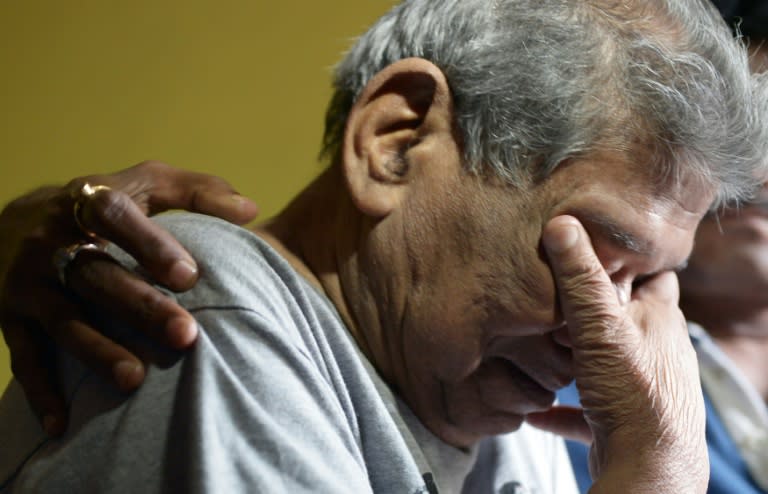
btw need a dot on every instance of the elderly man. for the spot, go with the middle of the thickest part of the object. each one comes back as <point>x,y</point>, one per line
<point>395,327</point>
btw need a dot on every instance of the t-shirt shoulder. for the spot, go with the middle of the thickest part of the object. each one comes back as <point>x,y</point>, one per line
<point>236,266</point>
<point>238,271</point>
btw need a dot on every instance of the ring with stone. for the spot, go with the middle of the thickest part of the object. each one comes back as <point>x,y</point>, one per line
<point>64,256</point>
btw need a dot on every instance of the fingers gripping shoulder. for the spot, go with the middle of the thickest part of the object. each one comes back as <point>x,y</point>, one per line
<point>229,258</point>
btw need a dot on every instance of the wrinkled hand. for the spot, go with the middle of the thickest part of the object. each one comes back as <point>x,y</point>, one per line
<point>36,310</point>
<point>636,372</point>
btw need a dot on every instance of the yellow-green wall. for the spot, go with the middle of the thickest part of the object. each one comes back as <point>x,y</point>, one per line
<point>233,87</point>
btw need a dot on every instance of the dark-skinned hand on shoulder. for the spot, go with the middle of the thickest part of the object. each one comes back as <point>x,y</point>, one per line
<point>52,266</point>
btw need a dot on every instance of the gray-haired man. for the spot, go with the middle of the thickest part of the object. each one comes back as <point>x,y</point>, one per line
<point>511,185</point>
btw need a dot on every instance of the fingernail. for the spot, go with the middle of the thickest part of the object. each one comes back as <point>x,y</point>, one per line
<point>183,271</point>
<point>182,331</point>
<point>246,206</point>
<point>51,424</point>
<point>128,374</point>
<point>562,238</point>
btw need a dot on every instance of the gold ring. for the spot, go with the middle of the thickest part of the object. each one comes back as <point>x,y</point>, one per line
<point>64,256</point>
<point>86,192</point>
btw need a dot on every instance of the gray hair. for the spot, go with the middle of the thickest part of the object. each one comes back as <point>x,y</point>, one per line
<point>536,82</point>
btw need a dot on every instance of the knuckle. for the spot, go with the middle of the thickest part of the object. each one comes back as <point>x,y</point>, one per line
<point>205,188</point>
<point>151,167</point>
<point>86,271</point>
<point>586,280</point>
<point>110,206</point>
<point>596,316</point>
<point>152,174</point>
<point>164,251</point>
<point>151,305</point>
<point>217,182</point>
<point>76,184</point>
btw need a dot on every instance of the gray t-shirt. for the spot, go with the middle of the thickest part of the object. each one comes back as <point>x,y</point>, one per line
<point>274,397</point>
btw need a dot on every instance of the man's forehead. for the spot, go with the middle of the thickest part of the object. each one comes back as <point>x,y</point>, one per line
<point>622,199</point>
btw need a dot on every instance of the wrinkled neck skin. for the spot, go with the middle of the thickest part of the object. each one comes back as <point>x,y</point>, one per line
<point>322,234</point>
<point>740,328</point>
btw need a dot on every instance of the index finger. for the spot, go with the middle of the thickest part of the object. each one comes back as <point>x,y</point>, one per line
<point>586,294</point>
<point>114,216</point>
<point>166,187</point>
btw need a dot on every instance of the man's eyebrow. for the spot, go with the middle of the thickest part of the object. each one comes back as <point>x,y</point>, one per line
<point>619,236</point>
<point>626,240</point>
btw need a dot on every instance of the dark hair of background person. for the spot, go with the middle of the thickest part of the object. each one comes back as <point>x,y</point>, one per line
<point>749,16</point>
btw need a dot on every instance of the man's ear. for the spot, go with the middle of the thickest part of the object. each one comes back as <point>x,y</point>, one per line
<point>401,106</point>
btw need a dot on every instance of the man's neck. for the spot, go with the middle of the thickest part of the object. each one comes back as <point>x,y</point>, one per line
<point>318,234</point>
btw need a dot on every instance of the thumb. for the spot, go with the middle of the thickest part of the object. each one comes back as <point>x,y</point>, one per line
<point>587,296</point>
<point>565,421</point>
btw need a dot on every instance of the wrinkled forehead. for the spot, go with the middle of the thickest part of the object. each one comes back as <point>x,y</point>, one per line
<point>656,226</point>
<point>671,180</point>
<point>638,209</point>
<point>688,194</point>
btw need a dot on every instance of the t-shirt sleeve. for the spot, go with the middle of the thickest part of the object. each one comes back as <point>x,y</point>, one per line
<point>255,412</point>
<point>246,410</point>
<point>250,408</point>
